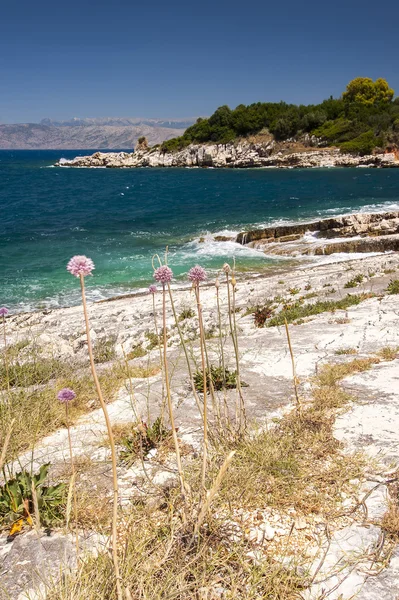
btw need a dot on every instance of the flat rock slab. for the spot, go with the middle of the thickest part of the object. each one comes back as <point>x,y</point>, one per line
<point>32,561</point>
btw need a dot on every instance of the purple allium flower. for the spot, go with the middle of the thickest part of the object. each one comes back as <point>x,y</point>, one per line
<point>153,289</point>
<point>66,395</point>
<point>163,274</point>
<point>3,311</point>
<point>80,265</point>
<point>197,274</point>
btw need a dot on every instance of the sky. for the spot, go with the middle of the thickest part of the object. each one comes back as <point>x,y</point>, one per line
<point>177,59</point>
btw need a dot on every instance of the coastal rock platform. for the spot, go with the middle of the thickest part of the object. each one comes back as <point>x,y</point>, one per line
<point>237,155</point>
<point>349,553</point>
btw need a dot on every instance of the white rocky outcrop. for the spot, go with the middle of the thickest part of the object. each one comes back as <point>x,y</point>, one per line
<point>232,155</point>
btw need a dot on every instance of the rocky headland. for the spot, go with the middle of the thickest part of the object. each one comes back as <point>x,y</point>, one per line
<point>238,155</point>
<point>363,232</point>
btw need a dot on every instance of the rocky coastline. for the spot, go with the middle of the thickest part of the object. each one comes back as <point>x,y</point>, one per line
<point>362,232</point>
<point>235,155</point>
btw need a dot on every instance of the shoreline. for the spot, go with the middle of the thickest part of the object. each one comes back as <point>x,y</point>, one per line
<point>234,155</point>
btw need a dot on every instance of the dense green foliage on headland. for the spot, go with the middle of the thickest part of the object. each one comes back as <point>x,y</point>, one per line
<point>365,117</point>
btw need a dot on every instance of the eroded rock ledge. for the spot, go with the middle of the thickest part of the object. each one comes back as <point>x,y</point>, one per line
<point>232,155</point>
<point>361,232</point>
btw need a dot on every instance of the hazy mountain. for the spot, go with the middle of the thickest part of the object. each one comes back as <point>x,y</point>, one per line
<point>107,132</point>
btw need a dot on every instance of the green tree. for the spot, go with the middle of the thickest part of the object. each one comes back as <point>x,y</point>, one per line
<point>364,90</point>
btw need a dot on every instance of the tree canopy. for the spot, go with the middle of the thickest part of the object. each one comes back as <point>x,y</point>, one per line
<point>364,117</point>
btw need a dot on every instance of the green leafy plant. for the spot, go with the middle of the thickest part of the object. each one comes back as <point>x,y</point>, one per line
<point>16,497</point>
<point>354,282</point>
<point>262,313</point>
<point>228,381</point>
<point>142,439</point>
<point>186,313</point>
<point>393,287</point>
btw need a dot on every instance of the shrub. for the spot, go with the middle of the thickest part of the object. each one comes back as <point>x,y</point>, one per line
<point>393,287</point>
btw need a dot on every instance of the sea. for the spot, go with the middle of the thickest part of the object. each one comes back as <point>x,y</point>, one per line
<point>122,218</point>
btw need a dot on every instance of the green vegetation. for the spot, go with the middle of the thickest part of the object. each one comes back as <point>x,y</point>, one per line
<point>16,497</point>
<point>365,117</point>
<point>143,438</point>
<point>354,282</point>
<point>228,381</point>
<point>393,287</point>
<point>292,312</point>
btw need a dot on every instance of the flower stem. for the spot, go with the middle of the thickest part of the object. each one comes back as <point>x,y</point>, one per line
<point>111,442</point>
<point>75,504</point>
<point>160,357</point>
<point>5,353</point>
<point>204,379</point>
<point>183,343</point>
<point>169,400</point>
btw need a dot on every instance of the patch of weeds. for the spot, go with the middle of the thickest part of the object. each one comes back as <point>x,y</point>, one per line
<point>229,381</point>
<point>389,271</point>
<point>153,339</point>
<point>331,374</point>
<point>393,286</point>
<point>13,350</point>
<point>310,295</point>
<point>186,313</point>
<point>344,351</point>
<point>371,273</point>
<point>293,291</point>
<point>355,281</point>
<point>16,497</point>
<point>142,439</point>
<point>104,350</point>
<point>388,352</point>
<point>327,285</point>
<point>262,313</point>
<point>281,282</point>
<point>341,321</point>
<point>34,372</point>
<point>331,291</point>
<point>307,287</point>
<point>299,310</point>
<point>136,352</point>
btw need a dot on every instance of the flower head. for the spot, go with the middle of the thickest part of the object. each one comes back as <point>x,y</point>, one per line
<point>153,289</point>
<point>197,274</point>
<point>226,268</point>
<point>3,311</point>
<point>80,265</point>
<point>66,395</point>
<point>163,274</point>
<point>217,283</point>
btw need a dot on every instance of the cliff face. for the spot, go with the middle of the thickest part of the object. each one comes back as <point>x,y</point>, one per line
<point>361,232</point>
<point>232,155</point>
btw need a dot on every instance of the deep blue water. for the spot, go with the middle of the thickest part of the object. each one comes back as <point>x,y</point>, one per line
<point>120,218</point>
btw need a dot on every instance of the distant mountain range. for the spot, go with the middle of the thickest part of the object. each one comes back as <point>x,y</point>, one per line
<point>100,133</point>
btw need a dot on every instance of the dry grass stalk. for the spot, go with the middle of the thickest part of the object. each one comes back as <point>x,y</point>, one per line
<point>35,507</point>
<point>211,493</point>
<point>5,444</point>
<point>294,376</point>
<point>111,441</point>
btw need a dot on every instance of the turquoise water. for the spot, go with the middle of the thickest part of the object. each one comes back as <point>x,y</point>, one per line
<point>120,218</point>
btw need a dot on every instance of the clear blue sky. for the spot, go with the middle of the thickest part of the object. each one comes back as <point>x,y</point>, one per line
<point>174,58</point>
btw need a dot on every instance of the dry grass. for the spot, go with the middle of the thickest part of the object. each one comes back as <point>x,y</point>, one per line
<point>388,352</point>
<point>35,407</point>
<point>390,520</point>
